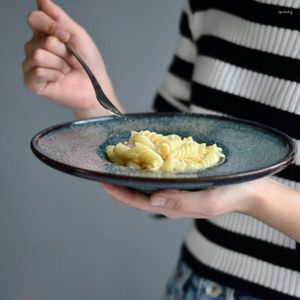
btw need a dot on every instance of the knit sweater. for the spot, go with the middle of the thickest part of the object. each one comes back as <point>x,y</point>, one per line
<point>241,58</point>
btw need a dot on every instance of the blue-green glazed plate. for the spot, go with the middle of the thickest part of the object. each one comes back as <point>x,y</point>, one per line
<point>252,150</point>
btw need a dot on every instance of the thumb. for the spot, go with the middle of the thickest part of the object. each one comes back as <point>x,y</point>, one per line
<point>41,24</point>
<point>51,19</point>
<point>56,13</point>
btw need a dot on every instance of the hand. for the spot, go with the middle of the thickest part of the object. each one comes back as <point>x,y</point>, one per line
<point>50,71</point>
<point>176,204</point>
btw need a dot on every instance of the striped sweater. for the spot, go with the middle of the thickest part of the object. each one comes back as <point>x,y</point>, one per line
<point>241,58</point>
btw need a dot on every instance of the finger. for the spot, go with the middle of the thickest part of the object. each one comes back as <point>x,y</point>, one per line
<point>56,13</point>
<point>188,203</point>
<point>37,79</point>
<point>42,24</point>
<point>43,58</point>
<point>129,197</point>
<point>126,196</point>
<point>168,199</point>
<point>140,201</point>
<point>49,43</point>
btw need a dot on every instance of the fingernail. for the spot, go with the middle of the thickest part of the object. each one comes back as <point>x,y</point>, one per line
<point>62,35</point>
<point>158,201</point>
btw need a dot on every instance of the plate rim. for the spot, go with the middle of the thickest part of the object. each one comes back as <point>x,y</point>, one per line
<point>217,180</point>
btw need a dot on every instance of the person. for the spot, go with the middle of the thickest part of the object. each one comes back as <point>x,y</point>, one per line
<point>236,58</point>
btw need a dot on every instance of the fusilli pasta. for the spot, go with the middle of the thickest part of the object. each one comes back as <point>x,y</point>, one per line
<point>156,152</point>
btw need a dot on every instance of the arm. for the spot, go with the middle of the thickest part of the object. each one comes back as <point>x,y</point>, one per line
<point>50,71</point>
<point>278,206</point>
<point>263,199</point>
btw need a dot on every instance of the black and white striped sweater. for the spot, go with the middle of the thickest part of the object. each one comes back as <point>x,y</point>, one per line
<point>241,58</point>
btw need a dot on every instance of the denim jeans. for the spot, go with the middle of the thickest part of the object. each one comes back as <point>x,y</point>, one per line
<point>186,285</point>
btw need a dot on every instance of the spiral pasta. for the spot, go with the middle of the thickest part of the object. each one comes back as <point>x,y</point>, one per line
<point>170,153</point>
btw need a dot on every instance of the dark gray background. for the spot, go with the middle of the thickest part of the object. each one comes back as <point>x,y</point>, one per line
<point>60,236</point>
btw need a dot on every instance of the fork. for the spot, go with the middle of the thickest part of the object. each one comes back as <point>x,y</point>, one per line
<point>101,97</point>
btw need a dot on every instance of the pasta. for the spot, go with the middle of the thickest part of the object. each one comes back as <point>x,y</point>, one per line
<point>168,153</point>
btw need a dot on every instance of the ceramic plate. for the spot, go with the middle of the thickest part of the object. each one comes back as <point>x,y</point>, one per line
<point>252,150</point>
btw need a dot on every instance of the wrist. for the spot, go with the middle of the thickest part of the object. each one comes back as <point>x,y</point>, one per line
<point>264,195</point>
<point>255,197</point>
<point>91,112</point>
<point>93,108</point>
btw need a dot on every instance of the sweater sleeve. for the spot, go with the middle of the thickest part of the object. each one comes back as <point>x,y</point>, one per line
<point>174,93</point>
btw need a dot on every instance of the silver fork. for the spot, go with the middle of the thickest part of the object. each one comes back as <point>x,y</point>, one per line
<point>101,97</point>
